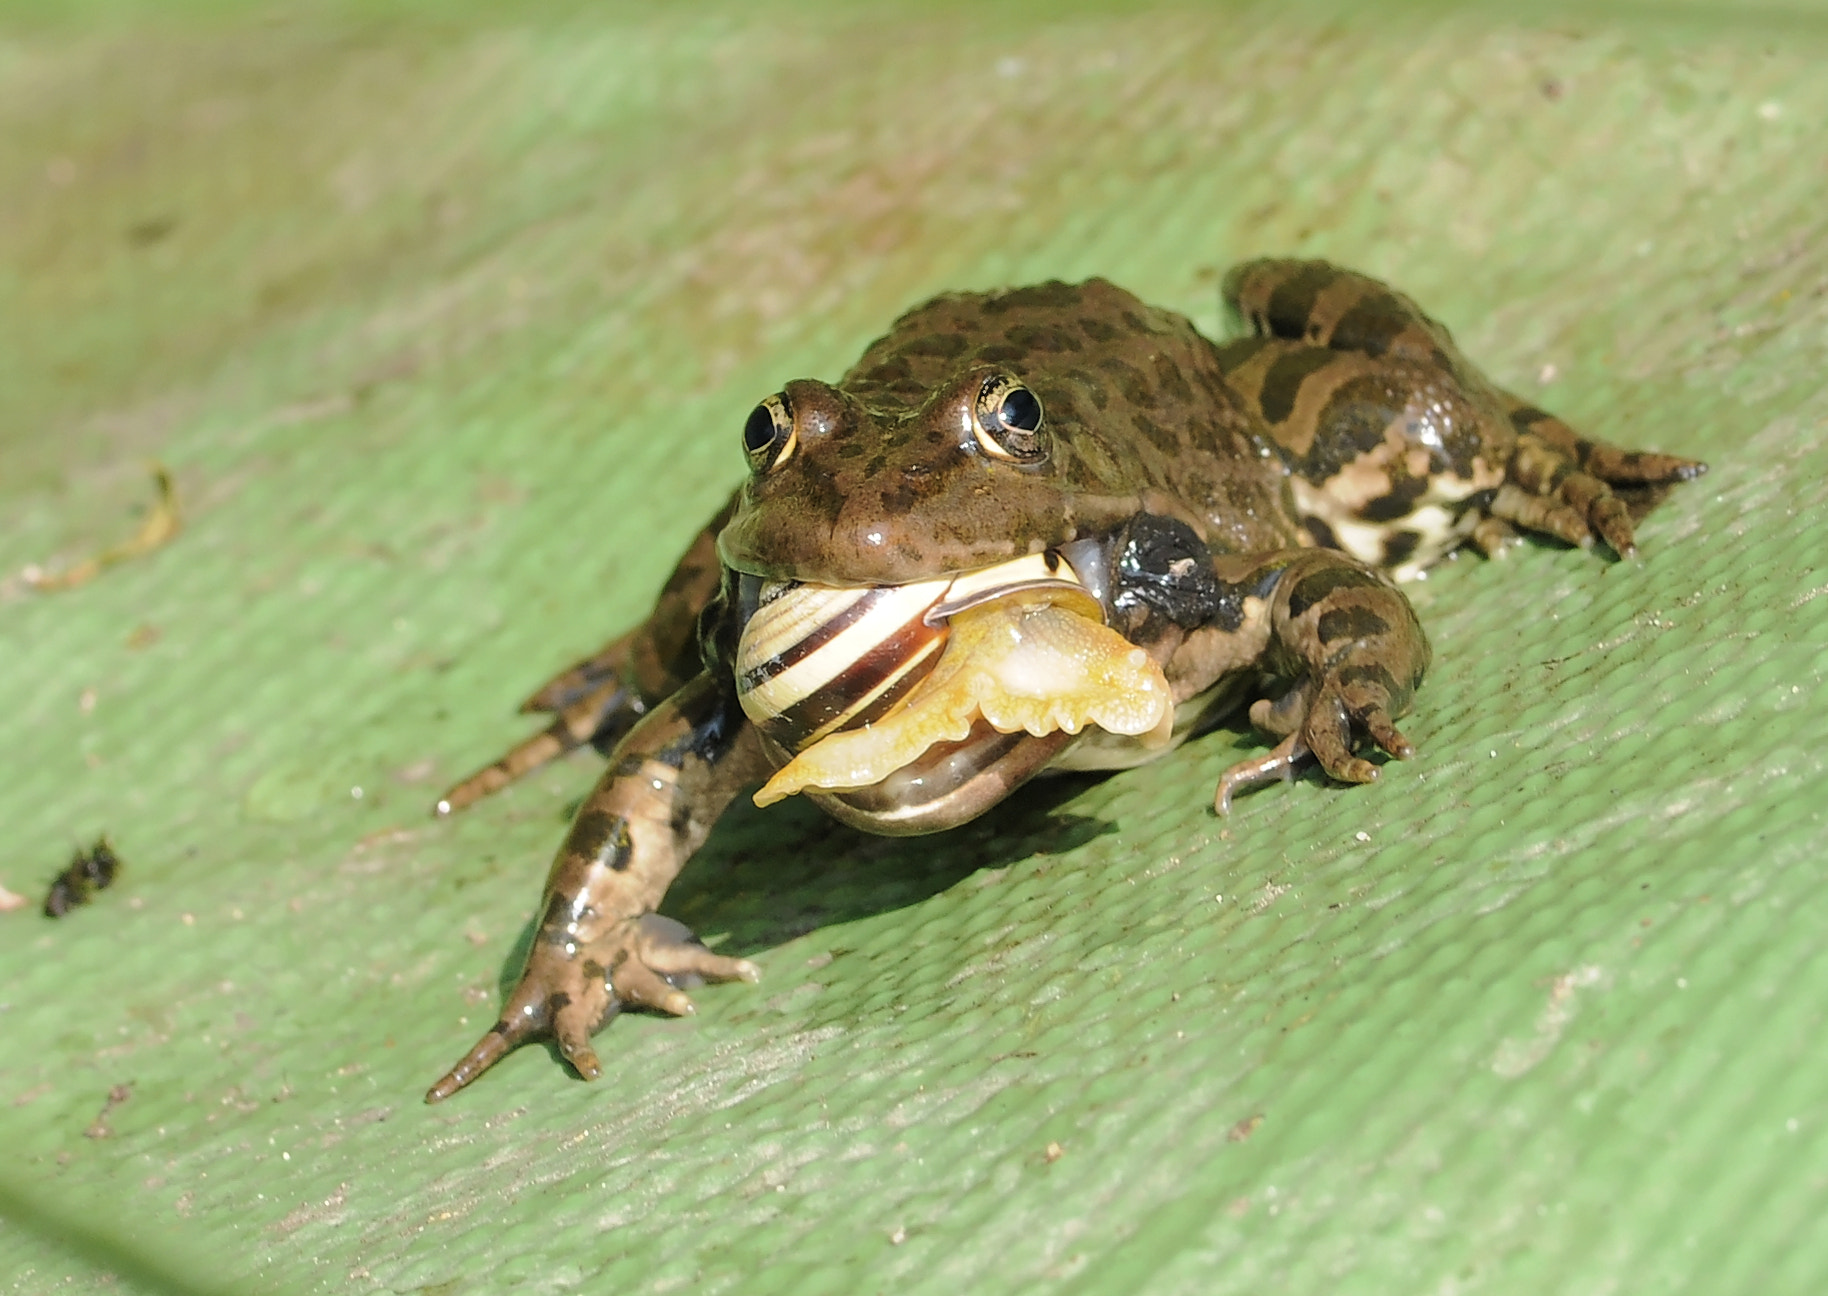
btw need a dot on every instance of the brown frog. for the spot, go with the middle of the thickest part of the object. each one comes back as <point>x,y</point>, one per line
<point>1236,512</point>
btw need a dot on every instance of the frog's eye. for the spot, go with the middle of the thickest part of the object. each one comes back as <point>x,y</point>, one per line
<point>1008,422</point>
<point>768,436</point>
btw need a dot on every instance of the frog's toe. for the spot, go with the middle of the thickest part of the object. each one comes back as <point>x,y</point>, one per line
<point>671,951</point>
<point>1276,764</point>
<point>1493,536</point>
<point>1546,514</point>
<point>572,991</point>
<point>1561,484</point>
<point>562,994</point>
<point>1328,734</point>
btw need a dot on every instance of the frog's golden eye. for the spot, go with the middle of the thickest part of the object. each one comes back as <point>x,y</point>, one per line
<point>1008,421</point>
<point>768,436</point>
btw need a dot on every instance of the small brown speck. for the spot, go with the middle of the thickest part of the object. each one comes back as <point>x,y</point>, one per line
<point>1053,1153</point>
<point>99,1128</point>
<point>1245,1128</point>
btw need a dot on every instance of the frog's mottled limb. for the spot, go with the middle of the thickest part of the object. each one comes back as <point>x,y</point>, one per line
<point>1352,651</point>
<point>598,699</point>
<point>1561,482</point>
<point>1343,639</point>
<point>1401,449</point>
<point>600,947</point>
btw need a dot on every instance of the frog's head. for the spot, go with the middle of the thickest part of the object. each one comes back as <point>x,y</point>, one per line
<point>849,490</point>
<point>981,427</point>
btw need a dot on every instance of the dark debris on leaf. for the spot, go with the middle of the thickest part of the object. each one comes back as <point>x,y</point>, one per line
<point>90,871</point>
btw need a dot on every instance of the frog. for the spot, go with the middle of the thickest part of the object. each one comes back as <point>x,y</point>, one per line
<point>1243,512</point>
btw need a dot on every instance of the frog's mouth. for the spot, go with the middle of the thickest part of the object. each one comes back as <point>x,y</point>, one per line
<point>913,695</point>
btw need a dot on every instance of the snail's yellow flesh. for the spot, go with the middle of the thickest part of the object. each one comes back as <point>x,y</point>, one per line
<point>1037,661</point>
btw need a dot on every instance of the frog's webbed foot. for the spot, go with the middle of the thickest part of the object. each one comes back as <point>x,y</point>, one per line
<point>1353,706</point>
<point>1277,764</point>
<point>570,991</point>
<point>1350,645</point>
<point>1562,484</point>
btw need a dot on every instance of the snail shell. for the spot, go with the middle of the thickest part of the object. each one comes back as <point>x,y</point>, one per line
<point>815,660</point>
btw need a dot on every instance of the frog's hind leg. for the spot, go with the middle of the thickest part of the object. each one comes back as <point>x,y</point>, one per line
<point>1400,447</point>
<point>598,699</point>
<point>1392,459</point>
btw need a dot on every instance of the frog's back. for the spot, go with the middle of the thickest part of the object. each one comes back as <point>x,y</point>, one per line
<point>1134,396</point>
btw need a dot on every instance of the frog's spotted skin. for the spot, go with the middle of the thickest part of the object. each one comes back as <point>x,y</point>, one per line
<point>1236,511</point>
<point>1400,449</point>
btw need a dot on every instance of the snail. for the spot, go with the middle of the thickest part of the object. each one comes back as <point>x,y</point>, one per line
<point>853,685</point>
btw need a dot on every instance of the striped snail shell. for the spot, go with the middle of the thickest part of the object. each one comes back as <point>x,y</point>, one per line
<point>815,660</point>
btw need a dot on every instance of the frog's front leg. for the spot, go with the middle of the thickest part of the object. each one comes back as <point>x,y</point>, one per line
<point>600,946</point>
<point>1352,653</point>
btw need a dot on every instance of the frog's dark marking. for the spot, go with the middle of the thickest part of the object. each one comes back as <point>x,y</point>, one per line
<point>1093,386</point>
<point>902,496</point>
<point>628,766</point>
<point>1001,353</point>
<point>1355,420</point>
<point>1350,623</point>
<point>1370,326</point>
<point>1283,383</point>
<point>1311,589</point>
<point>1290,305</point>
<point>1170,380</point>
<point>1232,355</point>
<point>1321,533</point>
<point>88,871</point>
<point>1130,381</point>
<point>1374,674</point>
<point>1397,502</point>
<point>1165,440</point>
<point>603,838</point>
<point>1140,325</point>
<point>1042,338</point>
<point>1400,546</point>
<point>890,371</point>
<point>1097,329</point>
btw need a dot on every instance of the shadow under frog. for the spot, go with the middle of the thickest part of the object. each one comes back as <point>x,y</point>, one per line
<point>767,877</point>
<point>1238,514</point>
